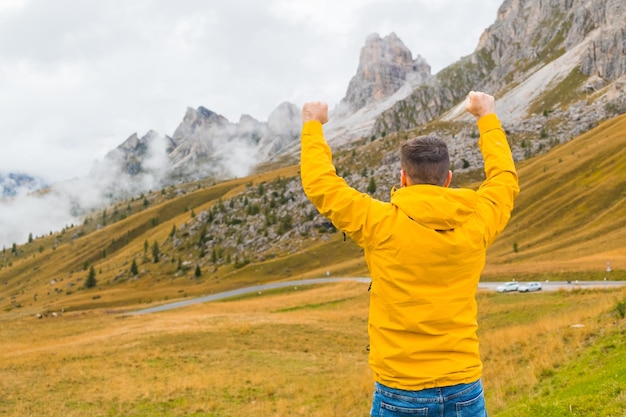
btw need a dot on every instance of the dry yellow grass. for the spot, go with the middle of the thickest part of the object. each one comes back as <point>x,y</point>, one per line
<point>289,353</point>
<point>226,359</point>
<point>571,212</point>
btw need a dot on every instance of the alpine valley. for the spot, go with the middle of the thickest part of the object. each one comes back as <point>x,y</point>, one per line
<point>218,205</point>
<point>188,202</point>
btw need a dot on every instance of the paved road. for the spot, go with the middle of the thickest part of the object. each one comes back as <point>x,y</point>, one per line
<point>242,291</point>
<point>561,285</point>
<point>547,286</point>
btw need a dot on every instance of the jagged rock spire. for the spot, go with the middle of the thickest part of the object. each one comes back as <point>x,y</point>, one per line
<point>385,65</point>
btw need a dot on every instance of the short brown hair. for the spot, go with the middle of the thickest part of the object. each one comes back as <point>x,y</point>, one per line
<point>425,160</point>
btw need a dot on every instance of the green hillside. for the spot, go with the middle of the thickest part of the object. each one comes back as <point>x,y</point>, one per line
<point>590,385</point>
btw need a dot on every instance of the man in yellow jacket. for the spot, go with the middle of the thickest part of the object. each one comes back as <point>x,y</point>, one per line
<point>425,250</point>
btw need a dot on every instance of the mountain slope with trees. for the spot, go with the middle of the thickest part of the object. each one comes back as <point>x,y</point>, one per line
<point>203,238</point>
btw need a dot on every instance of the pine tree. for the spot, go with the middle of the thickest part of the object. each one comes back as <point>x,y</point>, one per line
<point>371,187</point>
<point>133,268</point>
<point>155,252</point>
<point>198,272</point>
<point>91,281</point>
<point>202,238</point>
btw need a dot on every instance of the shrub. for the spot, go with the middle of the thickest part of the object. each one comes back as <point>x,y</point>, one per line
<point>620,308</point>
<point>286,224</point>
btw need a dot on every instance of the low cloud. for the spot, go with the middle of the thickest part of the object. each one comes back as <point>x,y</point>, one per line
<point>207,149</point>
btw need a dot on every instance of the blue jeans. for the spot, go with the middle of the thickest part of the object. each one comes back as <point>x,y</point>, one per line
<point>463,400</point>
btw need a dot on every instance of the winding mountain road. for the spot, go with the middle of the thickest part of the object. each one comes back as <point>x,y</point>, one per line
<point>242,291</point>
<point>491,286</point>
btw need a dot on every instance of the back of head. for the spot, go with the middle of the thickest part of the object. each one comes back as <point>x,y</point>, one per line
<point>425,160</point>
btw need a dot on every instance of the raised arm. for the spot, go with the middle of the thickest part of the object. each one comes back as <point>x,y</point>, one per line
<point>500,187</point>
<point>346,207</point>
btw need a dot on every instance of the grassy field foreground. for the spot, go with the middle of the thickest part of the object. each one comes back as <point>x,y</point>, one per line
<point>301,352</point>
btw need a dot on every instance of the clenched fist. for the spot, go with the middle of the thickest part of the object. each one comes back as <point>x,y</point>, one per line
<point>480,104</point>
<point>315,111</point>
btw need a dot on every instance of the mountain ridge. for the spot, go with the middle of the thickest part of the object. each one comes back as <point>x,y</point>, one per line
<point>533,51</point>
<point>539,59</point>
<point>142,164</point>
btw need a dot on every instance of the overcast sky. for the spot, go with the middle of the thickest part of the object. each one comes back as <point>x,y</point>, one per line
<point>77,77</point>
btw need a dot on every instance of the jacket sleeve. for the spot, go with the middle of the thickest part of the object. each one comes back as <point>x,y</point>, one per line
<point>500,187</point>
<point>344,206</point>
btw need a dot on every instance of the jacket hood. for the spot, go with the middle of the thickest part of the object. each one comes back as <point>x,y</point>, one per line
<point>437,208</point>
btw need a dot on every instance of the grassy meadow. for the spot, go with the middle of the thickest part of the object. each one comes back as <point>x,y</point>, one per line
<point>301,352</point>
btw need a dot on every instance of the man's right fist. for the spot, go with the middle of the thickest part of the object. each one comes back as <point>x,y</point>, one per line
<point>480,104</point>
<point>315,111</point>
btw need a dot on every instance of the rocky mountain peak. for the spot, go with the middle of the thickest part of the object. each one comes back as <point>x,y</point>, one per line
<point>544,59</point>
<point>198,119</point>
<point>247,120</point>
<point>385,65</point>
<point>531,33</point>
<point>135,143</point>
<point>285,119</point>
<point>204,113</point>
<point>205,144</point>
<point>283,131</point>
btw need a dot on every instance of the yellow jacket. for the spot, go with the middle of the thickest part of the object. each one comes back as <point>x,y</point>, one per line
<point>425,251</point>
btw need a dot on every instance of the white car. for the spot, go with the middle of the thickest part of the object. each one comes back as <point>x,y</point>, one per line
<point>508,286</point>
<point>529,286</point>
